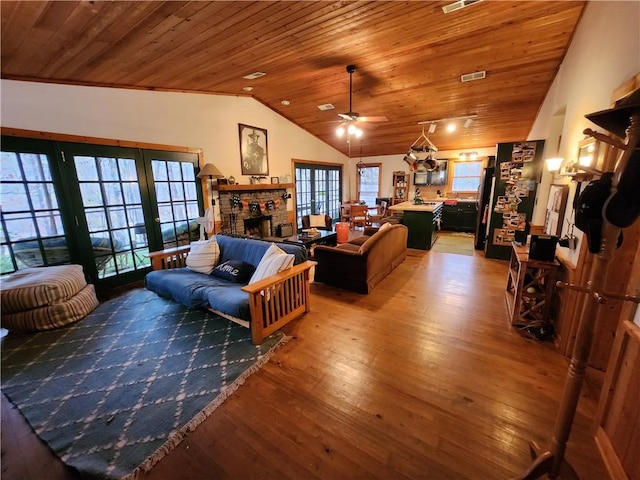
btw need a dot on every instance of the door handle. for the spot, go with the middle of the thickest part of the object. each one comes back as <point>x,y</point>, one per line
<point>157,219</point>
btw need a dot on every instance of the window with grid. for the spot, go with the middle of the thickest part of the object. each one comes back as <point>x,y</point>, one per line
<point>466,176</point>
<point>32,231</point>
<point>368,183</point>
<point>318,190</point>
<point>99,206</point>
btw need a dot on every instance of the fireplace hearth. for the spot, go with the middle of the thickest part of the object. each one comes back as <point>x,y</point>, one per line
<point>259,227</point>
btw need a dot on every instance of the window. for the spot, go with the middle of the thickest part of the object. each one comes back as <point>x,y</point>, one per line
<point>466,176</point>
<point>368,182</point>
<point>100,206</point>
<point>32,231</point>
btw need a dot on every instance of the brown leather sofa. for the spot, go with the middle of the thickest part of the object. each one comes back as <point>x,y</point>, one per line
<point>362,263</point>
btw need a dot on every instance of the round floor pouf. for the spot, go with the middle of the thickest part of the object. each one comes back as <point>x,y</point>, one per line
<point>44,298</point>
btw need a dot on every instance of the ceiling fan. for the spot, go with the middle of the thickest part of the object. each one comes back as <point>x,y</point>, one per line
<point>350,118</point>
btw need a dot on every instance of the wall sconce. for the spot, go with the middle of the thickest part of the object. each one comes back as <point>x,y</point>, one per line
<point>554,164</point>
<point>210,170</point>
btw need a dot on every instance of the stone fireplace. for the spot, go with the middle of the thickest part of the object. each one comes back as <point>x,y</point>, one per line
<point>253,210</point>
<point>258,226</point>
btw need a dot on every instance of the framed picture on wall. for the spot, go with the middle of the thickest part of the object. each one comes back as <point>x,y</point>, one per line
<point>556,206</point>
<point>254,154</point>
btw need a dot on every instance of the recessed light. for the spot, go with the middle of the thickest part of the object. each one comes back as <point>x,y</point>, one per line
<point>254,75</point>
<point>247,89</point>
<point>286,103</point>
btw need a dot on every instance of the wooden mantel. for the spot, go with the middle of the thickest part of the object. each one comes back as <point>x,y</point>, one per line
<point>254,187</point>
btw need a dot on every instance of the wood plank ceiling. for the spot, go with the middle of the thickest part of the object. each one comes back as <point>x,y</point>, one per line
<point>409,57</point>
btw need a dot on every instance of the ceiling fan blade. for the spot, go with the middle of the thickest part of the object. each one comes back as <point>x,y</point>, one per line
<point>379,118</point>
<point>348,116</point>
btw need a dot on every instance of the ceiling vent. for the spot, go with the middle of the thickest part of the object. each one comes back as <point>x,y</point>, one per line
<point>253,76</point>
<point>452,7</point>
<point>326,106</point>
<point>468,77</point>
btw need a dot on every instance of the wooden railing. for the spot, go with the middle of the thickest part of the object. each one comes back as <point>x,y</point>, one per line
<point>278,299</point>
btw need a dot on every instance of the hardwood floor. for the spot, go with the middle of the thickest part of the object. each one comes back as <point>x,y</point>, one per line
<point>422,379</point>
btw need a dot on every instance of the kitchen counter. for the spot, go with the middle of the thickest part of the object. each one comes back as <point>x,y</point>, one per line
<point>410,207</point>
<point>422,222</point>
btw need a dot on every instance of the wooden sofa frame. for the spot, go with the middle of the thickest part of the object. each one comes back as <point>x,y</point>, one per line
<point>273,302</point>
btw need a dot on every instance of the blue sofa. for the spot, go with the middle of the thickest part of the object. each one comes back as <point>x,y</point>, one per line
<point>264,306</point>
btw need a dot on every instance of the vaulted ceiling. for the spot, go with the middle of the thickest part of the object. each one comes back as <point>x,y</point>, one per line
<point>409,57</point>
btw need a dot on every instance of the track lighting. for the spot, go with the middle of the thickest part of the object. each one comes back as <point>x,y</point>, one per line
<point>468,155</point>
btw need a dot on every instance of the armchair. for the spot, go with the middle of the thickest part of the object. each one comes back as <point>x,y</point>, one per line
<point>317,221</point>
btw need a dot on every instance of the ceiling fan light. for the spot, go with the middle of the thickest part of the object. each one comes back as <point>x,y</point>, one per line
<point>340,131</point>
<point>358,133</point>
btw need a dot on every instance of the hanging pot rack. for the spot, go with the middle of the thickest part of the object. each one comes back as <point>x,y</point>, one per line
<point>422,144</point>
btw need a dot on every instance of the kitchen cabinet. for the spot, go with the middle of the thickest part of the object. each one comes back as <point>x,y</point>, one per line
<point>400,187</point>
<point>460,217</point>
<point>421,221</point>
<point>434,178</point>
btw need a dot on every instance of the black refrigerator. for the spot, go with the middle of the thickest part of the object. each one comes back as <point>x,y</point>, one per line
<point>517,174</point>
<point>484,197</point>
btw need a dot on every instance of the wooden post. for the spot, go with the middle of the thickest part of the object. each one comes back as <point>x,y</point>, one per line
<point>552,462</point>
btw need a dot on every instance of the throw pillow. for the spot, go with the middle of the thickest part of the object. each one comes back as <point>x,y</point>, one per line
<point>273,261</point>
<point>203,256</point>
<point>317,221</point>
<point>235,271</point>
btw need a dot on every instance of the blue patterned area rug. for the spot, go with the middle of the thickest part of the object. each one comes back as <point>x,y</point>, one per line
<point>115,392</point>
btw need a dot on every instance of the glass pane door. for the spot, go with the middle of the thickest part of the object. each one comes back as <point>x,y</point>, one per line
<point>109,181</point>
<point>177,197</point>
<point>318,190</point>
<point>33,234</point>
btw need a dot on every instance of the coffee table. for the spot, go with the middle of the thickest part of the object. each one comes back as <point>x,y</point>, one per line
<point>325,238</point>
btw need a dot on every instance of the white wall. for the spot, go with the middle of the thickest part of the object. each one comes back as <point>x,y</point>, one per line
<point>209,122</point>
<point>604,53</point>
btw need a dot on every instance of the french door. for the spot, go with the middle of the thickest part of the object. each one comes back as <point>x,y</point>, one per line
<point>103,207</point>
<point>318,190</point>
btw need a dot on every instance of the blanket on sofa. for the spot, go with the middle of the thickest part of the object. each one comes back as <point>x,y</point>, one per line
<point>195,289</point>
